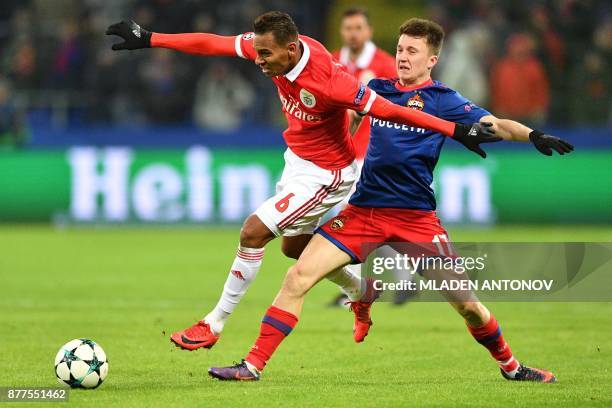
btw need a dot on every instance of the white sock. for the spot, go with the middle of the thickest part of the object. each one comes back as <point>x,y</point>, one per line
<point>252,369</point>
<point>243,272</point>
<point>349,280</point>
<point>504,364</point>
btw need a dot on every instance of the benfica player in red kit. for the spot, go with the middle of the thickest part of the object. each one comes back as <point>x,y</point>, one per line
<point>320,160</point>
<point>394,203</point>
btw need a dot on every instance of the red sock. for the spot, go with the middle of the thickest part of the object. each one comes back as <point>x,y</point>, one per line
<point>275,326</point>
<point>491,337</point>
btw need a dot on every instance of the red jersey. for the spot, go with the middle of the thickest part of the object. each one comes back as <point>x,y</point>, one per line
<point>315,95</point>
<point>371,63</point>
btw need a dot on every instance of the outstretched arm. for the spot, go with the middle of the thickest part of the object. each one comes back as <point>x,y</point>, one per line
<point>508,129</point>
<point>197,43</point>
<point>136,37</point>
<point>471,136</point>
<point>515,131</point>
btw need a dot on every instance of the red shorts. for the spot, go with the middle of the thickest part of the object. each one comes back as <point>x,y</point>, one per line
<point>360,230</point>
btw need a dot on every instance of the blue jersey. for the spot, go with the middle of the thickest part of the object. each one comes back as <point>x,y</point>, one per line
<point>398,167</point>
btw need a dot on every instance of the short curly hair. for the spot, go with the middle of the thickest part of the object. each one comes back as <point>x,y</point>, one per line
<point>430,30</point>
<point>279,24</point>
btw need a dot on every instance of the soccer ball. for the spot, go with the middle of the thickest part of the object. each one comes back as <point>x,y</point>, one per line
<point>81,363</point>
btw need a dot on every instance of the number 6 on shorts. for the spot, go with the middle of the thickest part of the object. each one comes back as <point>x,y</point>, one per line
<point>282,204</point>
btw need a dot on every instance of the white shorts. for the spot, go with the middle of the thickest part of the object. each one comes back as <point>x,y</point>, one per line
<point>304,193</point>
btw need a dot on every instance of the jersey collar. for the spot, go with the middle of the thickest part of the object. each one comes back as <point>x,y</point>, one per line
<point>363,60</point>
<point>413,87</point>
<point>297,70</point>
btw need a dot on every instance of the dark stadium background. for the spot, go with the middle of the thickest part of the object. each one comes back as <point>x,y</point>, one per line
<point>65,98</point>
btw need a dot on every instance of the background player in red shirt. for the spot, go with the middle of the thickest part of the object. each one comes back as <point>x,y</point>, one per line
<point>394,203</point>
<point>362,59</point>
<point>320,160</point>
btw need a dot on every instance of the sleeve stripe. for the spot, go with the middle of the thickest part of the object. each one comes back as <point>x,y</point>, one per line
<point>369,103</point>
<point>238,46</point>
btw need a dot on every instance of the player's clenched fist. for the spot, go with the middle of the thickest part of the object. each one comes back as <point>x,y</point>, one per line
<point>546,143</point>
<point>134,36</point>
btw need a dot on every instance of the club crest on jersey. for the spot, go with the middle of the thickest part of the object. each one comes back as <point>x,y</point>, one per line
<point>416,102</point>
<point>307,98</point>
<point>338,223</point>
<point>248,36</point>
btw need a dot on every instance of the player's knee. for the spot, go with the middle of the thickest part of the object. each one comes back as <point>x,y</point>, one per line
<point>254,234</point>
<point>296,282</point>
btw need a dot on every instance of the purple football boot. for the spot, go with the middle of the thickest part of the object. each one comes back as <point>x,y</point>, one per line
<point>531,374</point>
<point>237,372</point>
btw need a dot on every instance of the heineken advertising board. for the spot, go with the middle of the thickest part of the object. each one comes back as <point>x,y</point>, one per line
<point>198,185</point>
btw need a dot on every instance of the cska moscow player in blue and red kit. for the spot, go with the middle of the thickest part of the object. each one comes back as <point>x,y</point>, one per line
<point>394,203</point>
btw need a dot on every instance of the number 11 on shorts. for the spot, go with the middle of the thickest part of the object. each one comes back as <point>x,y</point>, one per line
<point>441,239</point>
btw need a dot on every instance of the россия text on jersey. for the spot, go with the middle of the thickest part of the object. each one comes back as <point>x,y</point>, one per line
<point>391,125</point>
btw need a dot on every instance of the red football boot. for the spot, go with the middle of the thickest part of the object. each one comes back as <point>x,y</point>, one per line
<point>361,308</point>
<point>194,337</point>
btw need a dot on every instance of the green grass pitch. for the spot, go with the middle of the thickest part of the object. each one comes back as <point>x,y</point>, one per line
<point>129,288</point>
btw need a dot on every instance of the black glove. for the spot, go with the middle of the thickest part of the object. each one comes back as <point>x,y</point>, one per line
<point>472,136</point>
<point>135,36</point>
<point>545,143</point>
